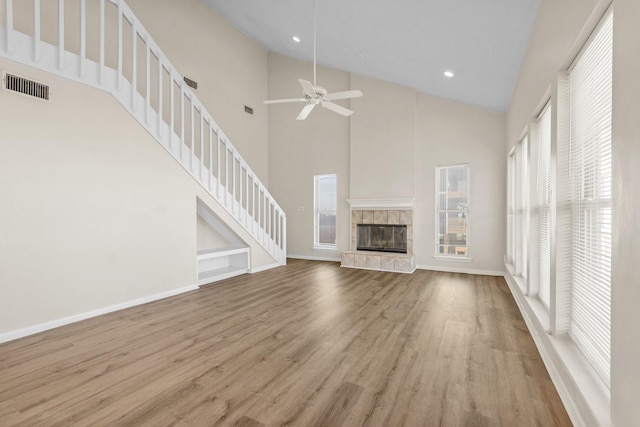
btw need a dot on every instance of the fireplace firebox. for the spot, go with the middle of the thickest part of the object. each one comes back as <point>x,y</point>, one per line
<point>382,238</point>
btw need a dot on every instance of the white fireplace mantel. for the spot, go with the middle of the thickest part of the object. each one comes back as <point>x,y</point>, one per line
<point>382,203</point>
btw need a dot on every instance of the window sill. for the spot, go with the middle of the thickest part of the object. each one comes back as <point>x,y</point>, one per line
<point>325,249</point>
<point>453,258</point>
<point>584,394</point>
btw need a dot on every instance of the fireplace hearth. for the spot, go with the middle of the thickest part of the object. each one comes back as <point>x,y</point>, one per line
<point>382,238</point>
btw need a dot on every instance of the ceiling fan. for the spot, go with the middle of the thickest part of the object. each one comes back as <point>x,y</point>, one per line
<point>314,94</point>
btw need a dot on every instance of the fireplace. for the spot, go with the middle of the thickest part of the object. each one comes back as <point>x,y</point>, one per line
<point>381,235</point>
<point>382,238</point>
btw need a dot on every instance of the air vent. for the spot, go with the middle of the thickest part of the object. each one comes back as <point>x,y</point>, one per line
<point>25,86</point>
<point>191,83</point>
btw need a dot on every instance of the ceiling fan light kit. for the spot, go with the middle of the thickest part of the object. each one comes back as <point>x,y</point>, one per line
<point>314,94</point>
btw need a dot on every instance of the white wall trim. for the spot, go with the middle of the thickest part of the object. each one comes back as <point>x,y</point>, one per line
<point>579,389</point>
<point>314,258</point>
<point>31,330</point>
<point>254,270</point>
<point>382,203</point>
<point>333,249</point>
<point>460,270</point>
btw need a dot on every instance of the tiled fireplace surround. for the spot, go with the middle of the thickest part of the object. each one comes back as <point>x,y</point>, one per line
<point>385,261</point>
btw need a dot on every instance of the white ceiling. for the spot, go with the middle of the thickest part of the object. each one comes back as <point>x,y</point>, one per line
<point>409,42</point>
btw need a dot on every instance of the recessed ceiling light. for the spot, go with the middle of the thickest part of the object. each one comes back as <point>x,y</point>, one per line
<point>448,74</point>
<point>296,39</point>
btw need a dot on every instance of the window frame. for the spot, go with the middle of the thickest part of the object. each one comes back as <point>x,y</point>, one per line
<point>452,257</point>
<point>317,245</point>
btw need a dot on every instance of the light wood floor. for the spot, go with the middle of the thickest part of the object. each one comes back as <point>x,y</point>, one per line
<point>307,344</point>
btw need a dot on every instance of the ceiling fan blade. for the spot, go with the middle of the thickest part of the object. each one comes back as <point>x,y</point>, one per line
<point>305,111</point>
<point>337,108</point>
<point>307,88</point>
<point>343,95</point>
<point>281,101</point>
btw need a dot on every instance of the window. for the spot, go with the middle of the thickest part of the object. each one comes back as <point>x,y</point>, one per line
<point>518,211</point>
<point>452,219</point>
<point>584,170</point>
<point>559,217</point>
<point>325,202</point>
<point>521,200</point>
<point>511,208</point>
<point>543,207</point>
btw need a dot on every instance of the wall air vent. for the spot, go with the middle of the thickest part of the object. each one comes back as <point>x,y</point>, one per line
<point>25,86</point>
<point>191,83</point>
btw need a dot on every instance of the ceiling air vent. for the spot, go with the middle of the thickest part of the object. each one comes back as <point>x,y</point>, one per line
<point>24,86</point>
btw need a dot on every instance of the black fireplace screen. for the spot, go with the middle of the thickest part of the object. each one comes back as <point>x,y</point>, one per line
<point>382,238</point>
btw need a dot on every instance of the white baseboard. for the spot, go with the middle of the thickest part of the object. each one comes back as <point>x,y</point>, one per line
<point>263,268</point>
<point>314,258</point>
<point>460,270</point>
<point>20,333</point>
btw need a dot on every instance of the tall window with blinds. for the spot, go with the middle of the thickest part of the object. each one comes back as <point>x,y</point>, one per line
<point>589,181</point>
<point>523,205</point>
<point>543,206</point>
<point>325,205</point>
<point>519,194</point>
<point>511,208</point>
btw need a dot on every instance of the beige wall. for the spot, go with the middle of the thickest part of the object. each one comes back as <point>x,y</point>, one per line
<point>95,212</point>
<point>298,150</point>
<point>100,214</point>
<point>559,32</point>
<point>208,237</point>
<point>230,68</point>
<point>387,149</point>
<point>382,152</point>
<point>625,346</point>
<point>450,133</point>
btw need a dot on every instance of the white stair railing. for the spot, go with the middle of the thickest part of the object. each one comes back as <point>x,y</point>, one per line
<point>113,52</point>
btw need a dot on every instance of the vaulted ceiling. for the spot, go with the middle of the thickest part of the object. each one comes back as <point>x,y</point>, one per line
<point>409,42</point>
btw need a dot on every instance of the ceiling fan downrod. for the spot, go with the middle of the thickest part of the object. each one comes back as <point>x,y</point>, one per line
<point>314,43</point>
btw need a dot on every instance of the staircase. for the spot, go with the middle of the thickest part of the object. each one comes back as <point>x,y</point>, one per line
<point>132,68</point>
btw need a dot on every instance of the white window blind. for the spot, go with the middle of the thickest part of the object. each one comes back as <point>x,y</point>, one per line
<point>511,242</point>
<point>543,200</point>
<point>521,199</point>
<point>325,205</point>
<point>590,85</point>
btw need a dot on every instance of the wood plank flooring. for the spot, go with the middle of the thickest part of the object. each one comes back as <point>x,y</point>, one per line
<point>308,344</point>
